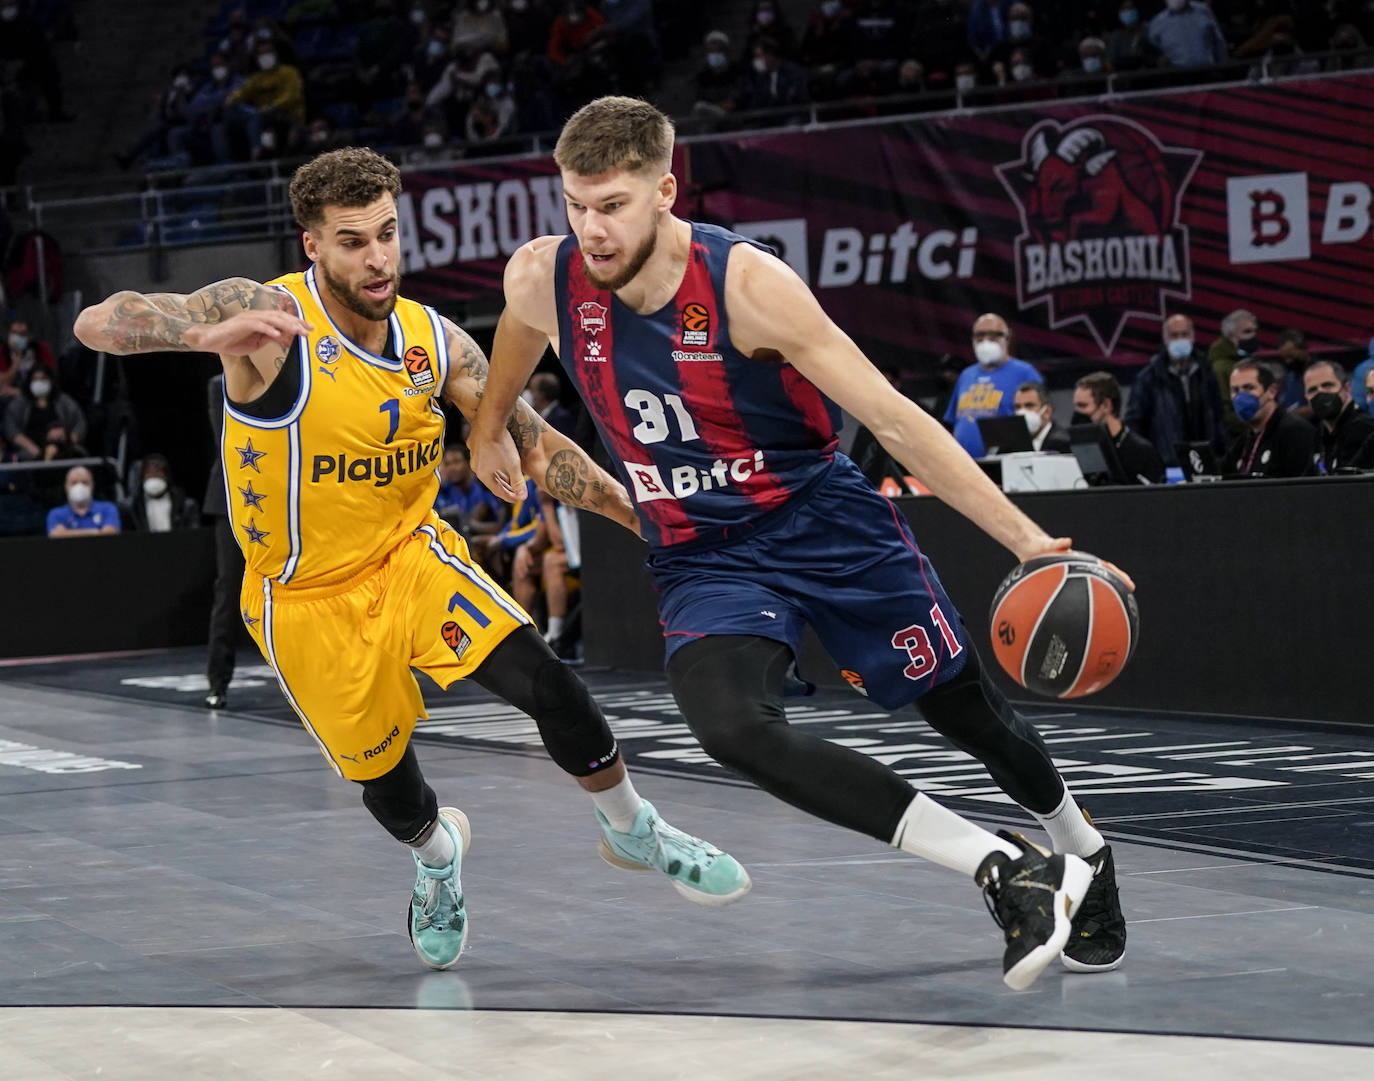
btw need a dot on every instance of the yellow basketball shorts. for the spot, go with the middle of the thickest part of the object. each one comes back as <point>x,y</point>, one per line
<point>343,654</point>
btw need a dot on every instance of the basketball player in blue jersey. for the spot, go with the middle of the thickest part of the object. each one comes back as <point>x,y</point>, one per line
<point>712,373</point>
<point>332,438</point>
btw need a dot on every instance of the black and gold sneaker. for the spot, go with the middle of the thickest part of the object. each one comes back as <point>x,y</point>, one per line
<point>1097,942</point>
<point>1033,899</point>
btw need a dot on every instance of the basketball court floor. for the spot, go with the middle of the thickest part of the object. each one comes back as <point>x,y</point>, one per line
<point>194,895</point>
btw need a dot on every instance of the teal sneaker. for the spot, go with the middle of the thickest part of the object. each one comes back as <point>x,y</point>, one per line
<point>436,920</point>
<point>700,871</point>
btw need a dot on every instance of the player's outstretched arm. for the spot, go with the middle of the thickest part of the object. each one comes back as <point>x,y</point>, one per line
<point>236,317</point>
<point>555,463</point>
<point>770,308</point>
<point>522,334</point>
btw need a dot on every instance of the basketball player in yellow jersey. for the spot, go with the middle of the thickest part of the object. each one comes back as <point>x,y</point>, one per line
<point>332,435</point>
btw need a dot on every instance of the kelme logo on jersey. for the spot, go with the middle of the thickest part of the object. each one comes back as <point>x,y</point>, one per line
<point>696,325</point>
<point>379,470</point>
<point>328,349</point>
<point>418,367</point>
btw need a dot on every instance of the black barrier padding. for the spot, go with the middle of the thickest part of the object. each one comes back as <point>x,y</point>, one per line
<point>105,593</point>
<point>1255,597</point>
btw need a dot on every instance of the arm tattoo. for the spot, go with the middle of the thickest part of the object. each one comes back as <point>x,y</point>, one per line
<point>525,427</point>
<point>159,321</point>
<point>567,478</point>
<point>469,363</point>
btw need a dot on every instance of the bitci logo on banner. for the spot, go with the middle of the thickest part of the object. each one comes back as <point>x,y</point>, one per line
<point>1267,218</point>
<point>1100,202</point>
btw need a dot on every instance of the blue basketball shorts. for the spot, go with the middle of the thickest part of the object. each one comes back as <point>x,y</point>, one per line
<point>840,558</point>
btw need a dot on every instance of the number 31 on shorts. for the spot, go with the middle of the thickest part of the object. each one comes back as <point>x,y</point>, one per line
<point>914,641</point>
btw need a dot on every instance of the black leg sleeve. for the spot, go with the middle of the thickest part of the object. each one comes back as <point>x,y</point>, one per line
<point>976,717</point>
<point>401,800</point>
<point>524,671</point>
<point>729,688</point>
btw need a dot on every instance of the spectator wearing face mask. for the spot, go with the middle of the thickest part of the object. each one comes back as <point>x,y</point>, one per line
<point>270,102</point>
<point>1342,426</point>
<point>1128,43</point>
<point>1097,400</point>
<point>1023,46</point>
<point>1186,35</point>
<point>19,352</point>
<point>171,113</point>
<point>773,80</point>
<point>1359,380</point>
<point>717,80</point>
<point>159,506</point>
<point>1032,401</point>
<point>1175,399</point>
<point>1239,339</point>
<point>206,137</point>
<point>42,423</point>
<point>82,515</point>
<point>573,30</point>
<point>769,22</point>
<point>1273,442</point>
<point>987,388</point>
<point>1092,61</point>
<point>491,116</point>
<point>1294,354</point>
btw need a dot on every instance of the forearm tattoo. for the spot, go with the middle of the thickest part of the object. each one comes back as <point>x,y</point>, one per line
<point>469,363</point>
<point>573,478</point>
<point>142,322</point>
<point>525,427</point>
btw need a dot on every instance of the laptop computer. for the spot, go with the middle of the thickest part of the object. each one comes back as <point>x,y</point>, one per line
<point>1198,461</point>
<point>1096,453</point>
<point>1004,435</point>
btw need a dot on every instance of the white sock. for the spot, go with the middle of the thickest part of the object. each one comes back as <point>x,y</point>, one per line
<point>1069,828</point>
<point>438,850</point>
<point>555,628</point>
<point>619,804</point>
<point>937,834</point>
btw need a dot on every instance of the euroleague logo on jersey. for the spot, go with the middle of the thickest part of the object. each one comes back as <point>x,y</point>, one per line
<point>696,325</point>
<point>455,639</point>
<point>418,368</point>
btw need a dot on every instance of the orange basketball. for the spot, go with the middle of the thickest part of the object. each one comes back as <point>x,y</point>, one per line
<point>1063,625</point>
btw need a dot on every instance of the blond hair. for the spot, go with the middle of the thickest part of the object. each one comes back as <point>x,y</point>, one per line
<point>353,176</point>
<point>615,133</point>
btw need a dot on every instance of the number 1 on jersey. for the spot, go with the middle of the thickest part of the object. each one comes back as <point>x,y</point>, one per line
<point>392,408</point>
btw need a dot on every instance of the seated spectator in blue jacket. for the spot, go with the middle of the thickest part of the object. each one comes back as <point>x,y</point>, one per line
<point>1175,398</point>
<point>988,387</point>
<point>463,501</point>
<point>82,515</point>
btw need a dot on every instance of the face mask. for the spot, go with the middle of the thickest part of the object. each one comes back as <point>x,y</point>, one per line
<point>264,33</point>
<point>830,8</point>
<point>182,82</point>
<point>1081,418</point>
<point>1246,346</point>
<point>494,90</point>
<point>1326,405</point>
<point>1129,17</point>
<point>1021,72</point>
<point>79,495</point>
<point>1019,29</point>
<point>988,353</point>
<point>1034,421</point>
<point>267,61</point>
<point>435,49</point>
<point>1092,64</point>
<point>155,487</point>
<point>760,65</point>
<point>765,18</point>
<point>717,60</point>
<point>967,81</point>
<point>219,74</point>
<point>434,139</point>
<point>1181,348</point>
<point>1245,404</point>
<point>41,388</point>
<point>417,15</point>
<point>18,342</point>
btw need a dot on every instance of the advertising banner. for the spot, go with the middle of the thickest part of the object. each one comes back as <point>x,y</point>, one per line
<point>1084,224</point>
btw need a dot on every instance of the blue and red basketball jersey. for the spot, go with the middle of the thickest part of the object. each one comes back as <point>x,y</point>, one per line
<point>705,439</point>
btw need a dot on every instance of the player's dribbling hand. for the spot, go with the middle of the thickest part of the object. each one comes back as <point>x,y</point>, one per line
<point>245,333</point>
<point>1063,545</point>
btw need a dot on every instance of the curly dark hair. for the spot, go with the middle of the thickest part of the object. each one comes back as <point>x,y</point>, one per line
<point>352,176</point>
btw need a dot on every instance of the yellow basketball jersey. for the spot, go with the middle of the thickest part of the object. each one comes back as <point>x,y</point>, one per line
<point>334,484</point>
